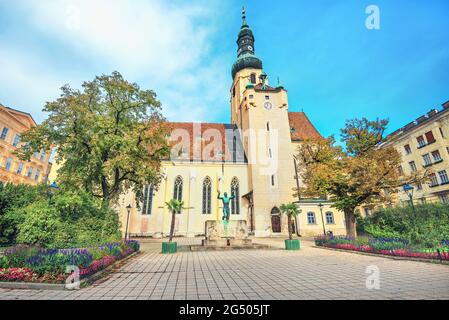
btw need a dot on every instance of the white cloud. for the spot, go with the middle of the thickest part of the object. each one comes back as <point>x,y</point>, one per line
<point>158,44</point>
<point>27,83</point>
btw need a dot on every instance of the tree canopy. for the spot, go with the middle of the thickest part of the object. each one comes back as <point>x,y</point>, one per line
<point>364,173</point>
<point>110,136</point>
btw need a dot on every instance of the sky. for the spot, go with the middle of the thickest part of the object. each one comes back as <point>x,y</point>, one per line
<point>332,65</point>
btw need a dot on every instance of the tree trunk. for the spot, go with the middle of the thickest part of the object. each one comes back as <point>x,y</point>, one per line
<point>289,219</point>
<point>172,227</point>
<point>298,227</point>
<point>351,230</point>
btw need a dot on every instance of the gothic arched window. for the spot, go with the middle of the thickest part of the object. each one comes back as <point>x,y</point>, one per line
<point>148,193</point>
<point>207,196</point>
<point>235,203</point>
<point>177,190</point>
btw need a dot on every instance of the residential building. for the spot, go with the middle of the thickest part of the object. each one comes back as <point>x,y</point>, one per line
<point>424,145</point>
<point>12,170</point>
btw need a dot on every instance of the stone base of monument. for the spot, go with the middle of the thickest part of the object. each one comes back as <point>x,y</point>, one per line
<point>227,235</point>
<point>227,242</point>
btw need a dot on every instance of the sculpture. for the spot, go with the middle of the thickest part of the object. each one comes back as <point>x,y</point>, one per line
<point>226,200</point>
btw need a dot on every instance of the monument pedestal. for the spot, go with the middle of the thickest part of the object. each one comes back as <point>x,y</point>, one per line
<point>225,235</point>
<point>228,235</point>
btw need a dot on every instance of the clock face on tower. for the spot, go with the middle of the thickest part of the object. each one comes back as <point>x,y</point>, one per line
<point>268,105</point>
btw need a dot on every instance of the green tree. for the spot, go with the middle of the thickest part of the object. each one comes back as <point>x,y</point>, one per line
<point>13,197</point>
<point>174,206</point>
<point>73,219</point>
<point>291,210</point>
<point>363,174</point>
<point>110,137</point>
<point>428,225</point>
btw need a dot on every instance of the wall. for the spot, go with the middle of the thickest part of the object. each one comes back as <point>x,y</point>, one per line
<point>191,221</point>
<point>17,123</point>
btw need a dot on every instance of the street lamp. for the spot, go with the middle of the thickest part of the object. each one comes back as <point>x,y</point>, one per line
<point>408,189</point>
<point>322,219</point>
<point>128,208</point>
<point>51,191</point>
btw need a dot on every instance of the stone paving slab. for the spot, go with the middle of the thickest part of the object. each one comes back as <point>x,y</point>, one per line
<point>257,274</point>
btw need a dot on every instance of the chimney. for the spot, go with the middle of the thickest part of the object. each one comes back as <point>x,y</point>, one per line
<point>432,112</point>
<point>445,105</point>
<point>410,125</point>
<point>421,119</point>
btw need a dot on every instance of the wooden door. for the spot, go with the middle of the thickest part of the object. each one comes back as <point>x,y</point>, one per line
<point>276,223</point>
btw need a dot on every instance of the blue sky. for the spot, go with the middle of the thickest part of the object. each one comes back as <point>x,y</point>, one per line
<point>333,66</point>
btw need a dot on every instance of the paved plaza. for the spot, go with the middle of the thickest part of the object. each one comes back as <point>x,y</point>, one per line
<point>311,273</point>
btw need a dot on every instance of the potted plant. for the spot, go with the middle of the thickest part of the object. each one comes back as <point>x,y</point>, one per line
<point>291,210</point>
<point>174,206</point>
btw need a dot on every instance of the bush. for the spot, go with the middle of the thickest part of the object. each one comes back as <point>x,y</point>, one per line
<point>13,197</point>
<point>135,245</point>
<point>3,262</point>
<point>427,226</point>
<point>71,220</point>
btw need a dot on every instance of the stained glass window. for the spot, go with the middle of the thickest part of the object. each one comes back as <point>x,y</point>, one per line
<point>235,203</point>
<point>148,193</point>
<point>207,196</point>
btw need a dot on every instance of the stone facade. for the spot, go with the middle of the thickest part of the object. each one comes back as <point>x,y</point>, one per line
<point>253,157</point>
<point>424,144</point>
<point>13,170</point>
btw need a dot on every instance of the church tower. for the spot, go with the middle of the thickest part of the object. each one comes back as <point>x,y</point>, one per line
<point>260,111</point>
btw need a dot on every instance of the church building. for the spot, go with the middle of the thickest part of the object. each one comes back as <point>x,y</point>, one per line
<point>251,158</point>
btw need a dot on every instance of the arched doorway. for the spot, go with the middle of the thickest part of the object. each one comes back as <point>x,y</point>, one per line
<point>276,220</point>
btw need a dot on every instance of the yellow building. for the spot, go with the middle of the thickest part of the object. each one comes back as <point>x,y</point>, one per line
<point>424,144</point>
<point>12,170</point>
<point>252,158</point>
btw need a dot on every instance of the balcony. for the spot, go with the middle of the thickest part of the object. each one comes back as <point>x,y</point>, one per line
<point>439,184</point>
<point>432,163</point>
<point>427,144</point>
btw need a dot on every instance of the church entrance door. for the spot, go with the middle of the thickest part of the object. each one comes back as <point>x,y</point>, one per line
<point>276,220</point>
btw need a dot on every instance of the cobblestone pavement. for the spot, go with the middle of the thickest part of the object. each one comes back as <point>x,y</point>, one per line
<point>311,273</point>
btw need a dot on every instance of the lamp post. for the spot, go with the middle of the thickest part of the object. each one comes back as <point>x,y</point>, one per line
<point>128,208</point>
<point>408,189</point>
<point>51,191</point>
<point>322,219</point>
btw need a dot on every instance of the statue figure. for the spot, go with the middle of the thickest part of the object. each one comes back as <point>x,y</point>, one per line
<point>225,199</point>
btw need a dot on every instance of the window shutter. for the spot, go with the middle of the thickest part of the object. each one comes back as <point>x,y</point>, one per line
<point>429,136</point>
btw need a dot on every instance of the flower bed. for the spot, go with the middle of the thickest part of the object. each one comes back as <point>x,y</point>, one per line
<point>33,264</point>
<point>385,246</point>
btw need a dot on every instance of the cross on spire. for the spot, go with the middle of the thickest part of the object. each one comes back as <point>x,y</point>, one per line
<point>244,23</point>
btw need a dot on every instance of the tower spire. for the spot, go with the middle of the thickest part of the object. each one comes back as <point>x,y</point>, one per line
<point>245,53</point>
<point>244,23</point>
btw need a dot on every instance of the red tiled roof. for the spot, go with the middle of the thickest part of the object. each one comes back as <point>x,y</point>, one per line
<point>301,127</point>
<point>211,141</point>
<point>205,142</point>
<point>267,87</point>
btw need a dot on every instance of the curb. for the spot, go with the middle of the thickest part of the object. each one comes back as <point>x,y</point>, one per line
<point>32,286</point>
<point>378,255</point>
<point>60,287</point>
